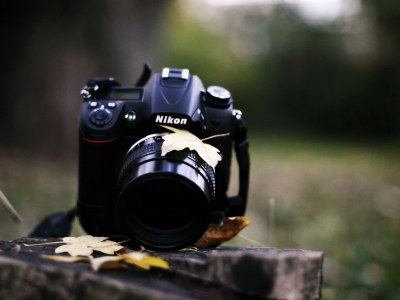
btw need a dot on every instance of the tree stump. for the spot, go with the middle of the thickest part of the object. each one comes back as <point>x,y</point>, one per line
<point>222,273</point>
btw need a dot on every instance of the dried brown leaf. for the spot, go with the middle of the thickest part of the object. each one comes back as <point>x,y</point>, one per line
<point>217,234</point>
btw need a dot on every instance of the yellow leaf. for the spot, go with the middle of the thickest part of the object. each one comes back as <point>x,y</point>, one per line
<point>155,262</point>
<point>114,262</point>
<point>136,259</point>
<point>144,261</point>
<point>217,234</point>
<point>68,259</point>
<point>182,139</point>
<point>106,262</point>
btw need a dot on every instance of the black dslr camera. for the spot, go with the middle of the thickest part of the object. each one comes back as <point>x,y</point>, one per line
<point>125,185</point>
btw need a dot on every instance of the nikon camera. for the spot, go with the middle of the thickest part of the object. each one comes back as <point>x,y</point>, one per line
<point>127,188</point>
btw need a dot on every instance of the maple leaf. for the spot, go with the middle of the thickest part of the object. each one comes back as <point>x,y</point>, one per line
<point>75,249</point>
<point>217,234</point>
<point>82,238</point>
<point>84,245</point>
<point>107,247</point>
<point>182,139</point>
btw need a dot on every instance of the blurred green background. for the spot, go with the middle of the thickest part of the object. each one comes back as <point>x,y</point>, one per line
<point>318,84</point>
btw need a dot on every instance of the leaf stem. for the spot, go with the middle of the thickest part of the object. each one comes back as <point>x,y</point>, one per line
<point>214,136</point>
<point>31,245</point>
<point>251,241</point>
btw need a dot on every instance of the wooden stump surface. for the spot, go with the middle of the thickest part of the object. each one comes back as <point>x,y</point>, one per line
<point>222,273</point>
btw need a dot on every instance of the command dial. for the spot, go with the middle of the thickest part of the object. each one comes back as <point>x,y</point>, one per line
<point>218,95</point>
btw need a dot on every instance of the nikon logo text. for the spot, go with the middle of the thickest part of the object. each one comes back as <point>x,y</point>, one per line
<point>170,120</point>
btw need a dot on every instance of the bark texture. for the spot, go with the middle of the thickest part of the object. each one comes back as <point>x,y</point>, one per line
<point>224,273</point>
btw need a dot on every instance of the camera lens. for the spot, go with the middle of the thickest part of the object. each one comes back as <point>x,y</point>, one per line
<point>164,201</point>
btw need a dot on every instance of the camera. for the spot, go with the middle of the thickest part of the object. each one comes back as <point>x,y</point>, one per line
<point>127,188</point>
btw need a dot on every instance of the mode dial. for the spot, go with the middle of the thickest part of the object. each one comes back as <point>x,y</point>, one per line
<point>218,95</point>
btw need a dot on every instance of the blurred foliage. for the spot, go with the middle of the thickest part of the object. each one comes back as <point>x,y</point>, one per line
<point>335,197</point>
<point>302,77</point>
<point>36,188</point>
<point>288,75</point>
<point>208,55</point>
<point>338,80</point>
<point>51,49</point>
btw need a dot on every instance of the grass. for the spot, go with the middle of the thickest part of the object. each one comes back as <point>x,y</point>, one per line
<point>36,188</point>
<point>342,198</point>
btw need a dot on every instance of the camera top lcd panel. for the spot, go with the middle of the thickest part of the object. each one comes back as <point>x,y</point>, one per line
<point>121,93</point>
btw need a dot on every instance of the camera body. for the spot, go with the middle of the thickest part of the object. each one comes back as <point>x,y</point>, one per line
<point>123,177</point>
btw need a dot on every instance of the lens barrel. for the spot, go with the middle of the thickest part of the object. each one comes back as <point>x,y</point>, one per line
<point>164,201</point>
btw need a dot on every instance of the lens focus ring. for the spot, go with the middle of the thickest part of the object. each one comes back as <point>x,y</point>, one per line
<point>153,144</point>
